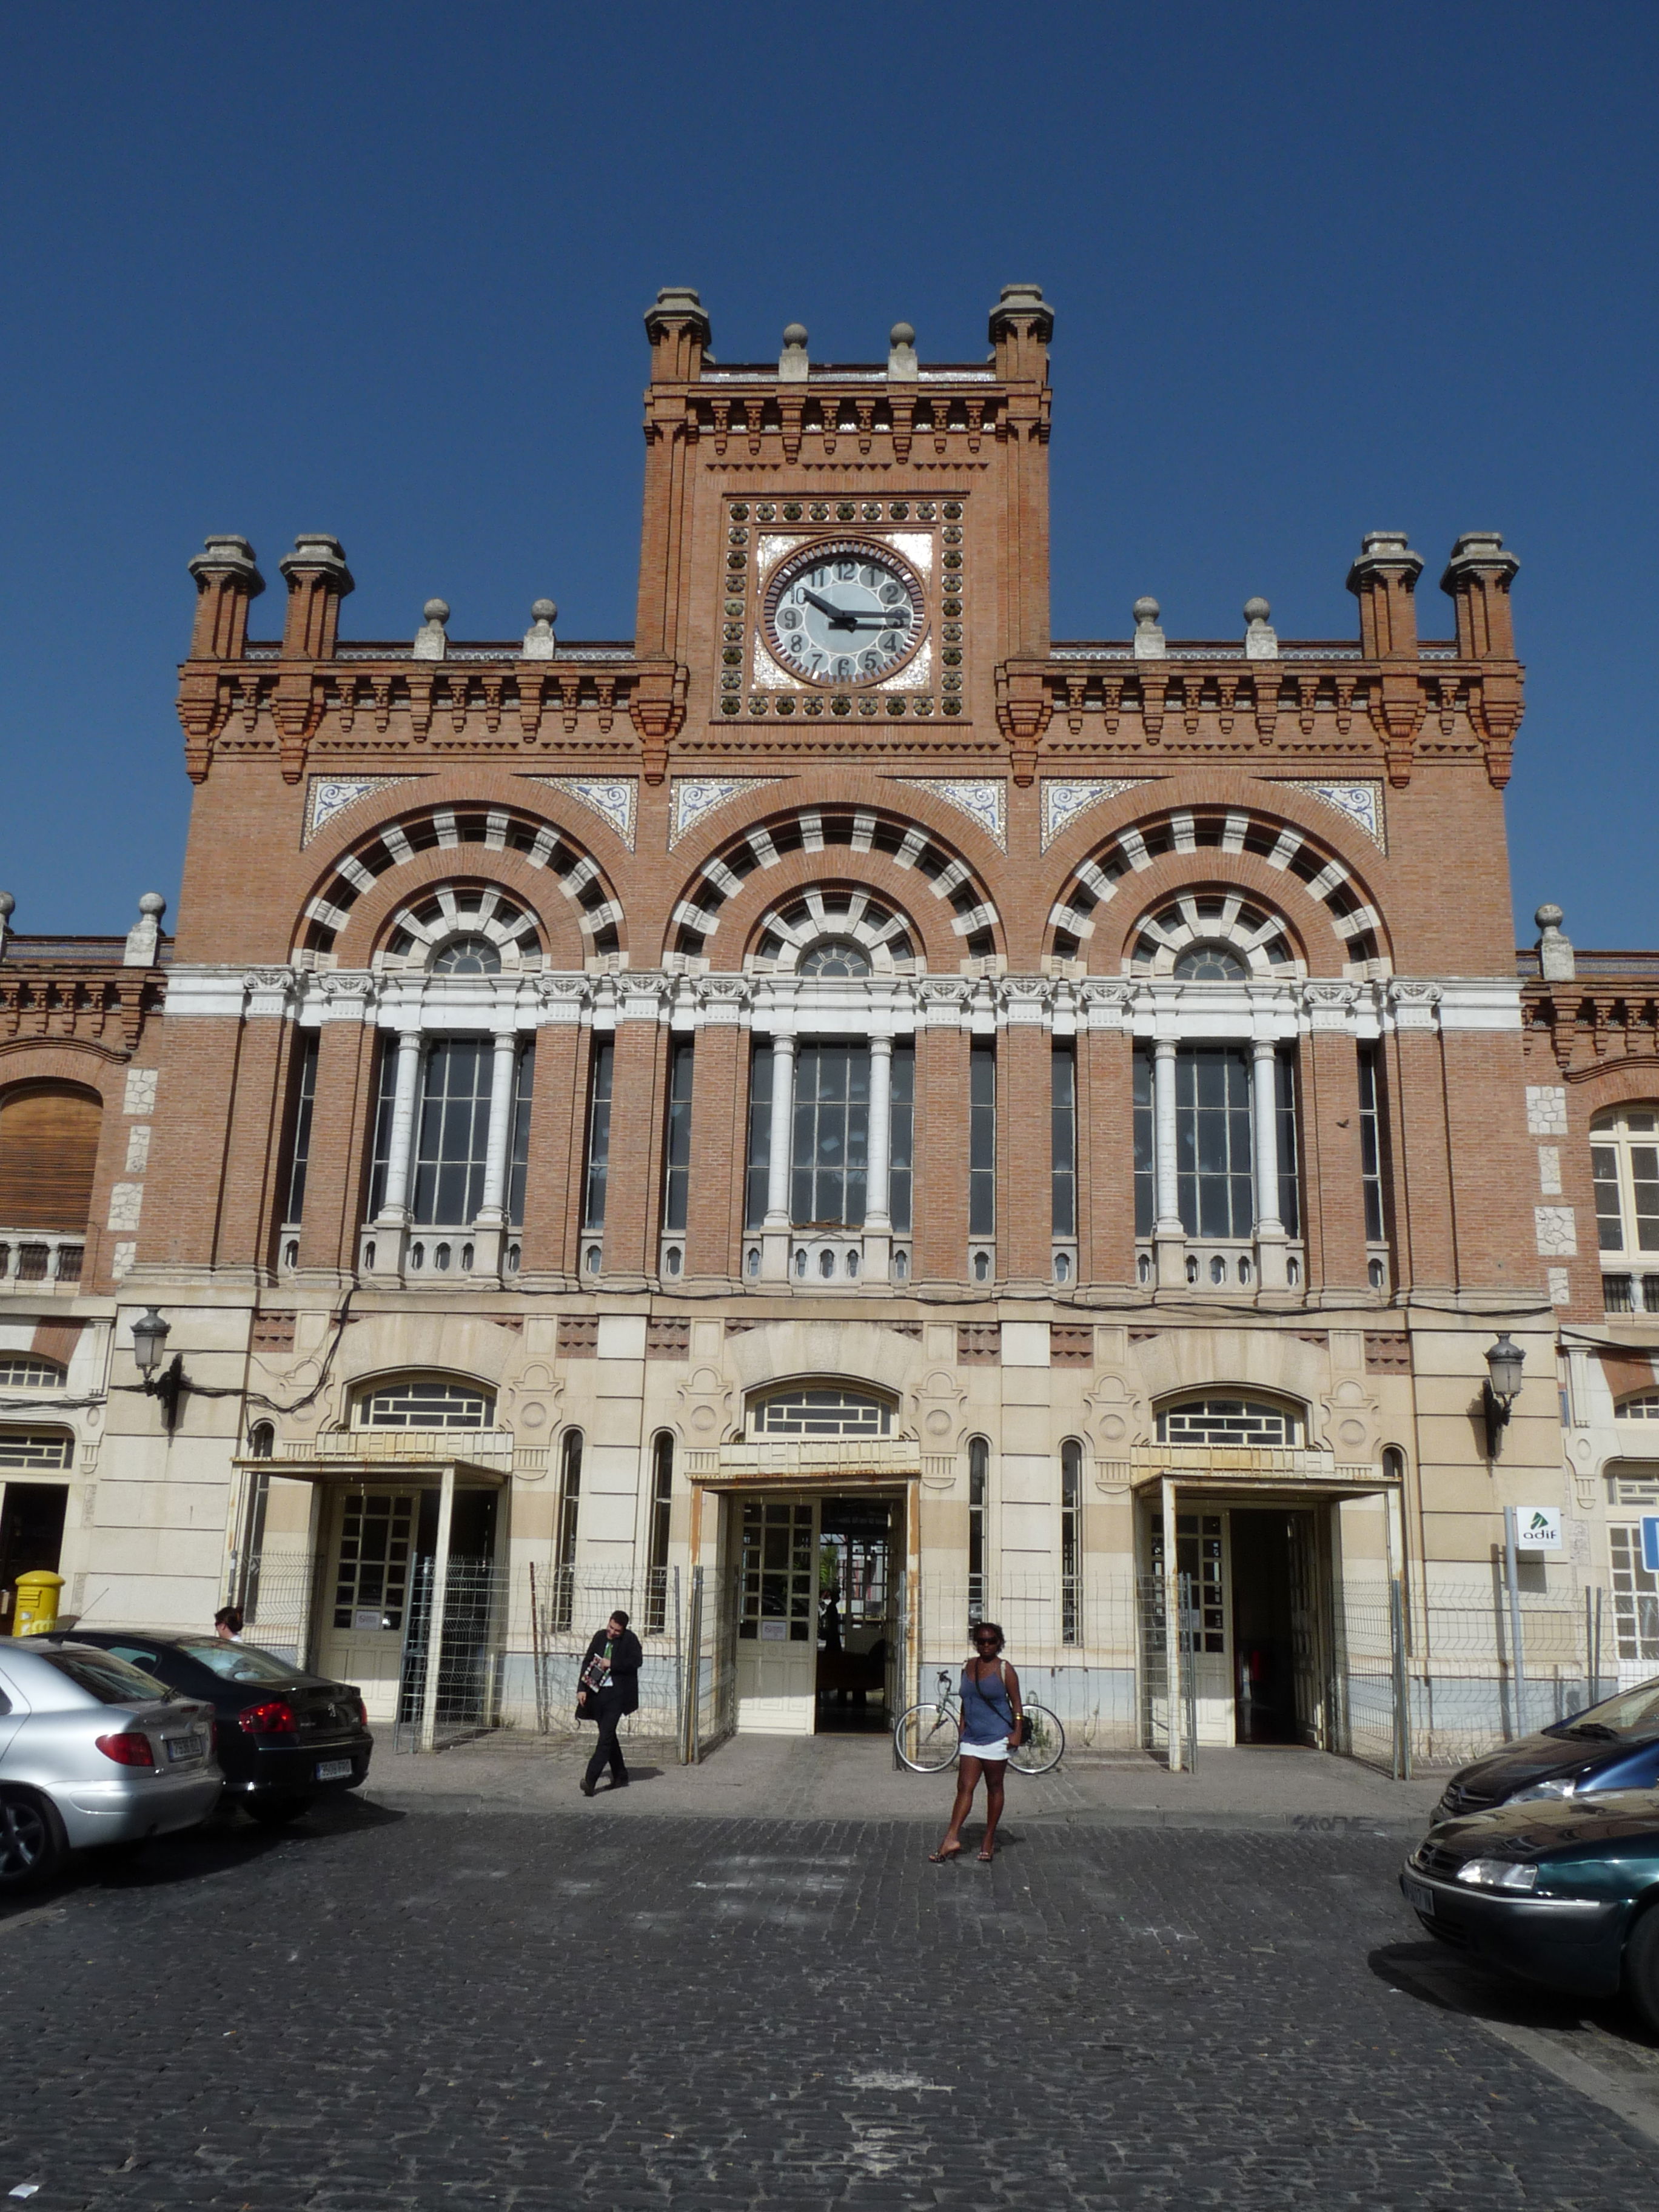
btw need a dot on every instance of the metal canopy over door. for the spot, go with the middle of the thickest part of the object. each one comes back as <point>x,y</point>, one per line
<point>777,1616</point>
<point>363,1638</point>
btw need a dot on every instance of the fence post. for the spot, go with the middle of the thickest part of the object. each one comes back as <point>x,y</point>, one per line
<point>1517,1656</point>
<point>1596,1697</point>
<point>671,1577</point>
<point>427,1738</point>
<point>1402,1711</point>
<point>688,1744</point>
<point>1187,1667</point>
<point>543,1718</point>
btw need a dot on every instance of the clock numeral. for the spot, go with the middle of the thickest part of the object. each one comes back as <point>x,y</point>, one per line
<point>845,571</point>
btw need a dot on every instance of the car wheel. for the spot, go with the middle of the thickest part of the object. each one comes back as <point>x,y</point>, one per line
<point>276,1812</point>
<point>1642,1967</point>
<point>33,1844</point>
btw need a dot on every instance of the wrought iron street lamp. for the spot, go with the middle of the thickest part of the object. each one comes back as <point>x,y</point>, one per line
<point>1502,1387</point>
<point>150,1341</point>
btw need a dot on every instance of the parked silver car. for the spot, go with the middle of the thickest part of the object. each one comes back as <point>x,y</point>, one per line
<point>93,1750</point>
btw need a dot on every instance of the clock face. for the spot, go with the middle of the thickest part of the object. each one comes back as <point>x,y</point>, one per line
<point>846,612</point>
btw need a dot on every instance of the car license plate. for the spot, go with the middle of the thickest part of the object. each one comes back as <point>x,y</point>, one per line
<point>1420,1896</point>
<point>185,1747</point>
<point>333,1770</point>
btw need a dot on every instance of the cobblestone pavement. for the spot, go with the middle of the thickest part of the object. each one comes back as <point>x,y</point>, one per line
<point>542,2010</point>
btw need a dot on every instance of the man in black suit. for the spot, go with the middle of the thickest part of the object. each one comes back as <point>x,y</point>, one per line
<point>609,1688</point>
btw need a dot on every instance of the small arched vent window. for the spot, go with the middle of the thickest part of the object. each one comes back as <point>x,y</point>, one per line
<point>467,955</point>
<point>22,1370</point>
<point>1643,1406</point>
<point>420,1404</point>
<point>1245,1424</point>
<point>1209,963</point>
<point>836,956</point>
<point>822,1412</point>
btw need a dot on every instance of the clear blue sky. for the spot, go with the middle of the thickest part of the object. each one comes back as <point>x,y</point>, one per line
<point>379,270</point>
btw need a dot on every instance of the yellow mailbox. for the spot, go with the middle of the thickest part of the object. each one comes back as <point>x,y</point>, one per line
<point>36,1609</point>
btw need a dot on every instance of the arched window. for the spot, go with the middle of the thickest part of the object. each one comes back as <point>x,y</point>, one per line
<point>25,1370</point>
<point>562,1607</point>
<point>1209,963</point>
<point>261,1441</point>
<point>417,1403</point>
<point>467,955</point>
<point>822,1411</point>
<point>48,1154</point>
<point>1071,1540</point>
<point>979,1488</point>
<point>1625,1164</point>
<point>1245,1424</point>
<point>1643,1406</point>
<point>835,957</point>
<point>662,1510</point>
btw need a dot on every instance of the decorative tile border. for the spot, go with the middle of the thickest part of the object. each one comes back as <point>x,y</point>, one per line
<point>985,803</point>
<point>615,800</point>
<point>1358,803</point>
<point>328,795</point>
<point>1064,801</point>
<point>693,797</point>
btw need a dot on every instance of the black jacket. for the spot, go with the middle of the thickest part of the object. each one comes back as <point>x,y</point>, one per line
<point>626,1659</point>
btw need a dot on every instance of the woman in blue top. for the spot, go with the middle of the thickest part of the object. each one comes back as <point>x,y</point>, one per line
<point>991,1713</point>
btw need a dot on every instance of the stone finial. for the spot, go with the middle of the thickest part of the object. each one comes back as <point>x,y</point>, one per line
<point>902,365</point>
<point>792,361</point>
<point>144,937</point>
<point>430,642</point>
<point>8,908</point>
<point>539,639</point>
<point>1556,961</point>
<point>1019,301</point>
<point>231,558</point>
<point>1149,638</point>
<point>1260,639</point>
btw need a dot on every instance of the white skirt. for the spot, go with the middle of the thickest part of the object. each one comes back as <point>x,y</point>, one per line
<point>985,1752</point>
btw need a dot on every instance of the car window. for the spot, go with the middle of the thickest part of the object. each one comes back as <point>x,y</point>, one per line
<point>1635,1710</point>
<point>113,1681</point>
<point>134,1654</point>
<point>240,1662</point>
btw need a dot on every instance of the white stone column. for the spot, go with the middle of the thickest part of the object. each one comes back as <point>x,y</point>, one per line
<point>394,1204</point>
<point>775,1240</point>
<point>492,1213</point>
<point>1264,1114</point>
<point>1167,1235</point>
<point>879,1172</point>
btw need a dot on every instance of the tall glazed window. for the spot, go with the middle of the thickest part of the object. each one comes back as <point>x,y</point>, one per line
<point>1146,1156</point>
<point>1371,1145</point>
<point>1071,1540</point>
<point>979,1488</point>
<point>517,1174</point>
<point>1062,1141</point>
<point>299,1145</point>
<point>982,1140</point>
<point>831,1135</point>
<point>453,1132</point>
<point>760,1136</point>
<point>562,1604</point>
<point>597,1166</point>
<point>1290,1162</point>
<point>662,1513</point>
<point>1214,1179</point>
<point>677,1146</point>
<point>902,1121</point>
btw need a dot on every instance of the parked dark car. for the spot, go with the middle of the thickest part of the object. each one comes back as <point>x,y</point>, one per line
<point>1612,1745</point>
<point>285,1737</point>
<point>1562,1892</point>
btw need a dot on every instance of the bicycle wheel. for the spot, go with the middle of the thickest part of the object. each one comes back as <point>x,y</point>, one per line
<point>925,1738</point>
<point>1047,1742</point>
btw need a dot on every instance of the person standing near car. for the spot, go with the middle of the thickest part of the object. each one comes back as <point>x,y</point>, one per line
<point>991,1715</point>
<point>228,1624</point>
<point>610,1690</point>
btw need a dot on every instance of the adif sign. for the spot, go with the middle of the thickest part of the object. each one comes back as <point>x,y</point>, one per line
<point>1538,1528</point>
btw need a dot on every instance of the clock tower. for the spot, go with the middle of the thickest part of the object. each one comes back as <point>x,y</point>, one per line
<point>834,549</point>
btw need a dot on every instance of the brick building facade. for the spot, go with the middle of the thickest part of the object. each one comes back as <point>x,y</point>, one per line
<point>839,1085</point>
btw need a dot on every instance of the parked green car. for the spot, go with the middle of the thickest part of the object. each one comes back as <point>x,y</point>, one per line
<point>1562,1892</point>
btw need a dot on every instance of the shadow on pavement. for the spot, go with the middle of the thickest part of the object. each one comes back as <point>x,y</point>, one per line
<point>225,1840</point>
<point>1435,1974</point>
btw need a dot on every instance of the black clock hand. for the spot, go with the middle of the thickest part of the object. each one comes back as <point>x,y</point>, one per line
<point>840,616</point>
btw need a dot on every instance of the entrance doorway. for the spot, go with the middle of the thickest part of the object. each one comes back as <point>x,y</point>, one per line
<point>1260,1587</point>
<point>818,1590</point>
<point>30,1538</point>
<point>378,1539</point>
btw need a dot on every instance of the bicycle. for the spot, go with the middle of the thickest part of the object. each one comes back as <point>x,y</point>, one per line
<point>928,1735</point>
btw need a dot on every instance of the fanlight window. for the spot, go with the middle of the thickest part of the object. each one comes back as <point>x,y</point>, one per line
<point>822,1413</point>
<point>836,955</point>
<point>21,1371</point>
<point>467,955</point>
<point>35,1448</point>
<point>1247,1423</point>
<point>418,1404</point>
<point>1209,963</point>
<point>1643,1408</point>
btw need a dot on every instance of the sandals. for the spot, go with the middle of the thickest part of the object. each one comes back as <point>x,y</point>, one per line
<point>986,1858</point>
<point>942,1857</point>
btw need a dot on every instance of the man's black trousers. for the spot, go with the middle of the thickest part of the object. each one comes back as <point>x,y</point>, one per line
<point>607,1750</point>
